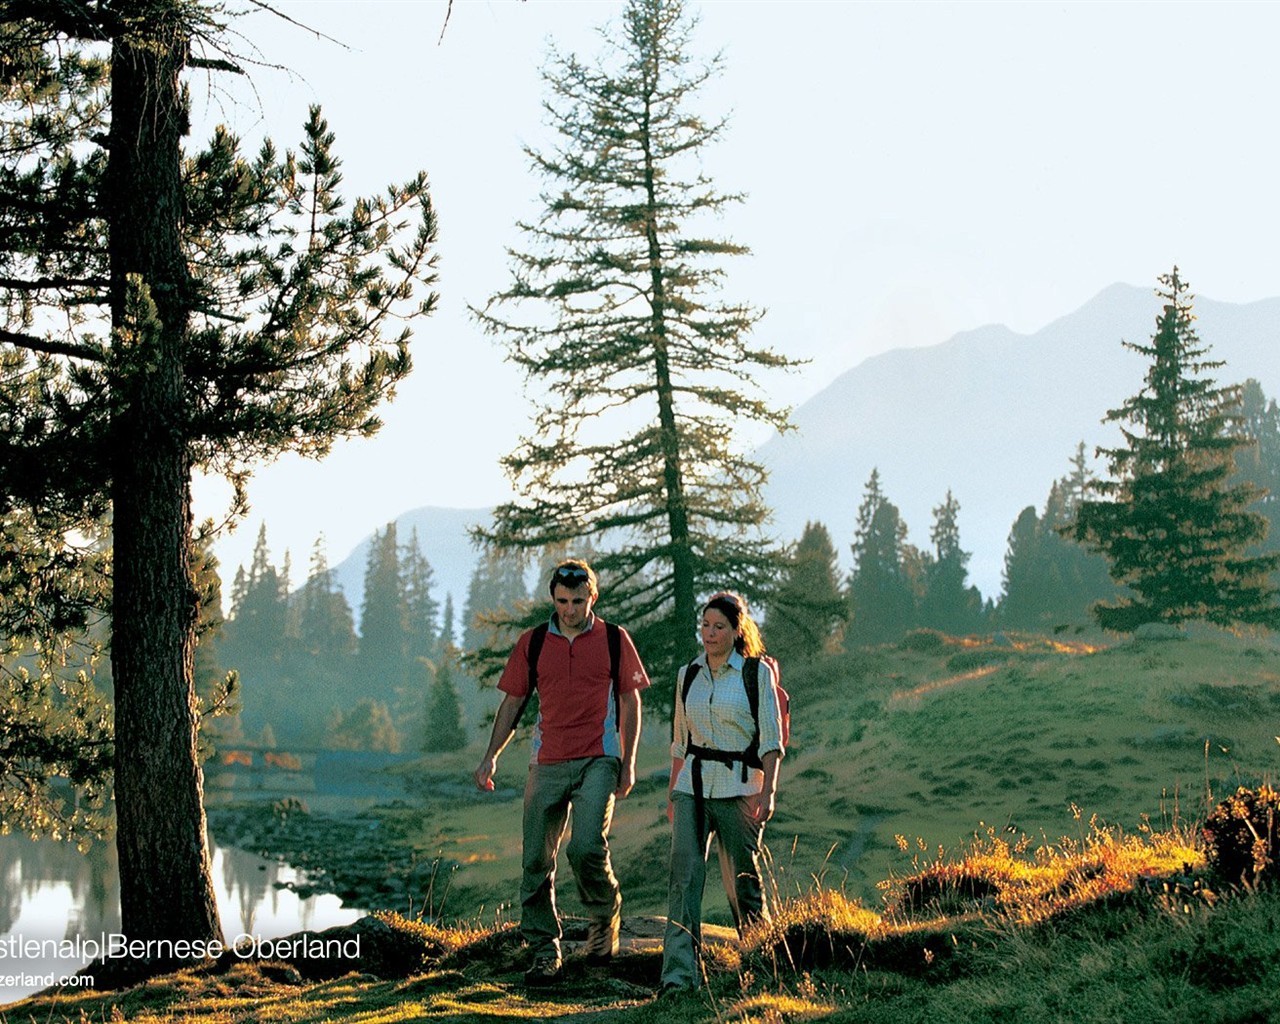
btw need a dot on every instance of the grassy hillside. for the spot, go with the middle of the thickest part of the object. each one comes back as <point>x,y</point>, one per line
<point>970,830</point>
<point>921,744</point>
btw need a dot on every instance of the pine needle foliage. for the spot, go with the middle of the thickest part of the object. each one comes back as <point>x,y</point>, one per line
<point>1175,528</point>
<point>613,311</point>
<point>167,308</point>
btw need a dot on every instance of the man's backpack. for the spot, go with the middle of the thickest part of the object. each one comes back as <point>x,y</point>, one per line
<point>538,636</point>
<point>750,758</point>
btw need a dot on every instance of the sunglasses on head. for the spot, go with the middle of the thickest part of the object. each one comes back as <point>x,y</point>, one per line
<point>570,574</point>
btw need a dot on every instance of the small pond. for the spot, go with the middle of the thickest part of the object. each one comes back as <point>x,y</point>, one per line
<point>50,892</point>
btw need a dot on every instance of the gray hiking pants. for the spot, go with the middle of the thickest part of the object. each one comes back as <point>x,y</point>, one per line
<point>587,785</point>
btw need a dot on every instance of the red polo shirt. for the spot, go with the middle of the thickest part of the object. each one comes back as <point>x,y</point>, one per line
<point>576,716</point>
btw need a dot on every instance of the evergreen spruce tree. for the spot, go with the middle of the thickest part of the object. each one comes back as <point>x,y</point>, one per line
<point>613,313</point>
<point>256,632</point>
<point>1173,526</point>
<point>1022,597</point>
<point>422,611</point>
<point>1050,579</point>
<point>806,615</point>
<point>1259,463</point>
<point>448,627</point>
<point>949,604</point>
<point>171,311</point>
<point>443,731</point>
<point>326,626</point>
<point>367,725</point>
<point>384,622</point>
<point>882,587</point>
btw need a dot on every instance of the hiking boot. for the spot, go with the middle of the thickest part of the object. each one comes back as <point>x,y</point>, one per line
<point>602,939</point>
<point>545,970</point>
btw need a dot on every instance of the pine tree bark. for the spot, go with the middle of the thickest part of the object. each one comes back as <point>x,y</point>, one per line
<point>165,877</point>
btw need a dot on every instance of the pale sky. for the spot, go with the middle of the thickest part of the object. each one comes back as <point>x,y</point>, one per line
<point>912,170</point>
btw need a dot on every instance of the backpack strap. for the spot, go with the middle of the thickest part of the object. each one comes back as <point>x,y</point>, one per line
<point>613,637</point>
<point>751,682</point>
<point>537,637</point>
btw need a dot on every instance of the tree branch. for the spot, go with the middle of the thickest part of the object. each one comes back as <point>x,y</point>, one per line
<point>19,284</point>
<point>52,348</point>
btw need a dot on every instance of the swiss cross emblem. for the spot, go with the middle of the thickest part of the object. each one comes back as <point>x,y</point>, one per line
<point>638,677</point>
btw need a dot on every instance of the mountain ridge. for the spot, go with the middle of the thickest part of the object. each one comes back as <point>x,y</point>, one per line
<point>997,416</point>
<point>992,414</point>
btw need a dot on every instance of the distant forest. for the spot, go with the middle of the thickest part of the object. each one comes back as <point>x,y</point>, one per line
<point>309,677</point>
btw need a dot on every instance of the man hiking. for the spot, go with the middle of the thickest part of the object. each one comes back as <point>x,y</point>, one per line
<point>588,677</point>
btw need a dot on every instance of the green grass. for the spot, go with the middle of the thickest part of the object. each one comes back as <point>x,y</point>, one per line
<point>969,830</point>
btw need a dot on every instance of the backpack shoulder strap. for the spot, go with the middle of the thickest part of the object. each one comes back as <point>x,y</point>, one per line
<point>751,681</point>
<point>690,674</point>
<point>537,637</point>
<point>613,637</point>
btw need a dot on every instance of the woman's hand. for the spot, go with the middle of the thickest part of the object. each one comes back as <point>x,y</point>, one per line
<point>761,805</point>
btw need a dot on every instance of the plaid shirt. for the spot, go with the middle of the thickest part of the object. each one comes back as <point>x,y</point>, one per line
<point>718,716</point>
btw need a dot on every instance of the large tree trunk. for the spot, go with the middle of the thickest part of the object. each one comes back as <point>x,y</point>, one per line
<point>166,888</point>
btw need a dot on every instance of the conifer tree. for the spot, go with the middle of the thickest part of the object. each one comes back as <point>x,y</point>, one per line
<point>1050,579</point>
<point>1021,598</point>
<point>422,610</point>
<point>384,621</point>
<point>806,615</point>
<point>448,627</point>
<point>882,587</point>
<point>55,723</point>
<point>170,311</point>
<point>443,731</point>
<point>496,595</point>
<point>1173,526</point>
<point>1259,463</point>
<point>613,313</point>
<point>257,630</point>
<point>325,624</point>
<point>948,604</point>
<point>367,725</point>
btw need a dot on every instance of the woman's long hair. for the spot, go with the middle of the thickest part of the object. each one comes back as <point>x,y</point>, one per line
<point>734,608</point>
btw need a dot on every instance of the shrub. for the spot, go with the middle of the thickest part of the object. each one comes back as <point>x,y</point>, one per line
<point>924,641</point>
<point>1241,836</point>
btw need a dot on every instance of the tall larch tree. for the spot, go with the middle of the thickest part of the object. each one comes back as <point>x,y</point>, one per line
<point>164,311</point>
<point>1175,528</point>
<point>643,374</point>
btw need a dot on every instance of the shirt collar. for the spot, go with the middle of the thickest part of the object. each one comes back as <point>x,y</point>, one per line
<point>554,625</point>
<point>735,659</point>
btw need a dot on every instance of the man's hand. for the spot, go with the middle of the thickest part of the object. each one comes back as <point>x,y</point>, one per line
<point>484,774</point>
<point>626,781</point>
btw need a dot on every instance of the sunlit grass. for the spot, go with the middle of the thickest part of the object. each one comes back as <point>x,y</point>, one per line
<point>893,905</point>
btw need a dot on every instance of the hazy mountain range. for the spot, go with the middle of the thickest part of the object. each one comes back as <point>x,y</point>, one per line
<point>992,415</point>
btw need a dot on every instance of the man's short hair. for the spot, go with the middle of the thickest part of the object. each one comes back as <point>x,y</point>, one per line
<point>572,573</point>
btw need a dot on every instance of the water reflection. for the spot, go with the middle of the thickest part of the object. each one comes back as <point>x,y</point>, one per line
<point>52,891</point>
